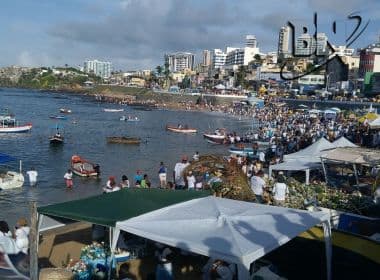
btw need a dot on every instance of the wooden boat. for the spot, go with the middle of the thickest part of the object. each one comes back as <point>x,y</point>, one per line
<point>113,110</point>
<point>123,140</point>
<point>218,137</point>
<point>179,129</point>
<point>10,179</point>
<point>58,117</point>
<point>83,167</point>
<point>65,111</point>
<point>56,139</point>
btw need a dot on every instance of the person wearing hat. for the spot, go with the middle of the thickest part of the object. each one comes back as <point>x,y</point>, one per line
<point>178,176</point>
<point>22,235</point>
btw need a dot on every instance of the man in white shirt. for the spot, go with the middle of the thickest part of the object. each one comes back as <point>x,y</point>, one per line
<point>178,175</point>
<point>257,185</point>
<point>32,173</point>
<point>280,190</point>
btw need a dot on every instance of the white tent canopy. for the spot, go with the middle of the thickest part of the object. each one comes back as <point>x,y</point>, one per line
<point>311,153</point>
<point>296,165</point>
<point>235,231</point>
<point>343,142</point>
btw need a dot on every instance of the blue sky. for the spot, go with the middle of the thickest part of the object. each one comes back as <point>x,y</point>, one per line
<point>135,34</point>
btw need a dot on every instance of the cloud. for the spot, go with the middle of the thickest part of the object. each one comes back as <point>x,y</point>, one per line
<point>28,59</point>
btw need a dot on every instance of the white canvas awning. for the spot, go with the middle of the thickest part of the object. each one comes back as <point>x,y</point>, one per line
<point>352,155</point>
<point>311,153</point>
<point>235,231</point>
<point>296,165</point>
<point>343,142</point>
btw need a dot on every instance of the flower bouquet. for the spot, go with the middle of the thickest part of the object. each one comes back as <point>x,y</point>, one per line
<point>96,254</point>
<point>79,269</point>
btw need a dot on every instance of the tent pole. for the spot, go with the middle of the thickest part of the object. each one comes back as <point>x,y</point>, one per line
<point>110,232</point>
<point>307,176</point>
<point>328,247</point>
<point>33,241</point>
<point>243,272</point>
<point>356,174</point>
<point>324,173</point>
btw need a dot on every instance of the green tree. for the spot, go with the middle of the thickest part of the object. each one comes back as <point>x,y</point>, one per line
<point>240,76</point>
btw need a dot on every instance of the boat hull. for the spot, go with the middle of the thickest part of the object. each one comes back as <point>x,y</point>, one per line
<point>113,110</point>
<point>82,167</point>
<point>123,140</point>
<point>56,140</point>
<point>16,129</point>
<point>215,139</point>
<point>11,180</point>
<point>181,130</point>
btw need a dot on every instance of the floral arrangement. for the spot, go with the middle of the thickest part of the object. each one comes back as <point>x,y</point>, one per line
<point>94,251</point>
<point>79,269</point>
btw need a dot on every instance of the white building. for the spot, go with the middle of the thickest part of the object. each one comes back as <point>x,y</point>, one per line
<point>250,41</point>
<point>218,58</point>
<point>180,61</point>
<point>240,56</point>
<point>283,42</point>
<point>306,44</point>
<point>99,68</point>
<point>343,51</point>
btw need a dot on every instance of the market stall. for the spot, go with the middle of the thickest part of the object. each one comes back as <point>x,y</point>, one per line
<point>105,210</point>
<point>234,231</point>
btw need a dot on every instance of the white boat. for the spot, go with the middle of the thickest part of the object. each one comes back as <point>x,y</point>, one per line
<point>181,129</point>
<point>10,179</point>
<point>113,110</point>
<point>8,124</point>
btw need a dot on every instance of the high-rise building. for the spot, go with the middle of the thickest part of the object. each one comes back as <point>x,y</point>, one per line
<point>306,45</point>
<point>99,68</point>
<point>240,56</point>
<point>283,42</point>
<point>218,58</point>
<point>250,41</point>
<point>180,61</point>
<point>369,59</point>
<point>206,58</point>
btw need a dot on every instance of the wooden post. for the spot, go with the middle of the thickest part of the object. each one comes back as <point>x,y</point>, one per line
<point>33,241</point>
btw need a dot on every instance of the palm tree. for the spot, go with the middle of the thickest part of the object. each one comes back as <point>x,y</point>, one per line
<point>167,72</point>
<point>159,70</point>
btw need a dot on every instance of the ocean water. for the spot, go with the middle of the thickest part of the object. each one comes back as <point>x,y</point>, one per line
<point>87,137</point>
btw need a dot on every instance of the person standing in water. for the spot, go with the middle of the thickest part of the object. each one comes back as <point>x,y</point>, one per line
<point>32,173</point>
<point>68,178</point>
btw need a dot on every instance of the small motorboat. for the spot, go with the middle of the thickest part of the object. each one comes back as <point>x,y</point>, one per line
<point>113,110</point>
<point>133,119</point>
<point>218,137</point>
<point>58,117</point>
<point>243,151</point>
<point>65,111</point>
<point>10,179</point>
<point>123,140</point>
<point>181,129</point>
<point>83,167</point>
<point>56,139</point>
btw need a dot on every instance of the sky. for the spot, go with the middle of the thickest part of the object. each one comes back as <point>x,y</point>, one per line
<point>135,34</point>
